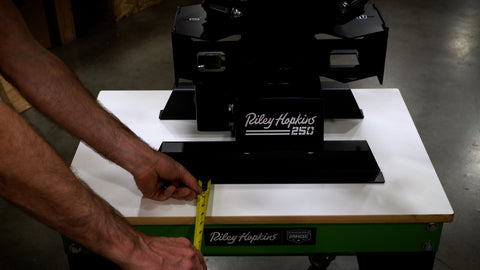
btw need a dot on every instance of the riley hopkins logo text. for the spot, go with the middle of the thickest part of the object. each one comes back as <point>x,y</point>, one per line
<point>283,120</point>
<point>259,236</point>
<point>246,237</point>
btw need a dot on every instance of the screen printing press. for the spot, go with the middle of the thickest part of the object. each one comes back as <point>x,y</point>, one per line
<point>300,163</point>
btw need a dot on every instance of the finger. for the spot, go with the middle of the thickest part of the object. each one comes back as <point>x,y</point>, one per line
<point>171,170</point>
<point>189,180</point>
<point>197,259</point>
<point>202,260</point>
<point>180,249</point>
<point>183,193</point>
<point>164,193</point>
<point>192,259</point>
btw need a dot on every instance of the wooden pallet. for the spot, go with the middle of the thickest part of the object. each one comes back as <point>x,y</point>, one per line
<point>124,8</point>
<point>10,95</point>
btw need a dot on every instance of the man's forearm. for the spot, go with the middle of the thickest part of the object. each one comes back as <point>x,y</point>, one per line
<point>56,92</point>
<point>35,178</point>
<point>47,83</point>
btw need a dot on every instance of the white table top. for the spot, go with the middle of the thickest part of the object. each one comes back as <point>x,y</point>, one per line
<point>412,191</point>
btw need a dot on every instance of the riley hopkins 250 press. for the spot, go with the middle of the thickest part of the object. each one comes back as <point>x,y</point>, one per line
<point>254,68</point>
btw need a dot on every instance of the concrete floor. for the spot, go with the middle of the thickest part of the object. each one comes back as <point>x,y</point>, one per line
<point>433,58</point>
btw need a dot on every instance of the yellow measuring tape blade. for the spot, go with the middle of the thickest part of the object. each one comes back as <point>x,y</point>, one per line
<point>202,203</point>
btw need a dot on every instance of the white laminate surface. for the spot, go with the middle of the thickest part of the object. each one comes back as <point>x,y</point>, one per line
<point>411,192</point>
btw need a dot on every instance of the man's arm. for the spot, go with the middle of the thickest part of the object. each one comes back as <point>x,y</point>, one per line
<point>49,85</point>
<point>37,180</point>
<point>34,177</point>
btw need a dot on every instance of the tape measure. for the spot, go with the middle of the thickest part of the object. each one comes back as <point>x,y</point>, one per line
<point>202,203</point>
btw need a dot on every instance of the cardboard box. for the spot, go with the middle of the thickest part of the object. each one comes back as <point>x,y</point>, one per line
<point>124,8</point>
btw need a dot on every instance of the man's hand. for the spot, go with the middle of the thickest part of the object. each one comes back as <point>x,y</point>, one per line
<point>166,254</point>
<point>167,178</point>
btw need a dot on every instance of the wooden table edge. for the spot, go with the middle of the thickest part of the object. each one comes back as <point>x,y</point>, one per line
<point>232,220</point>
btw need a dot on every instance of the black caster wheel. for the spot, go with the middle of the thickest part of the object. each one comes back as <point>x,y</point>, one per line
<point>320,261</point>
